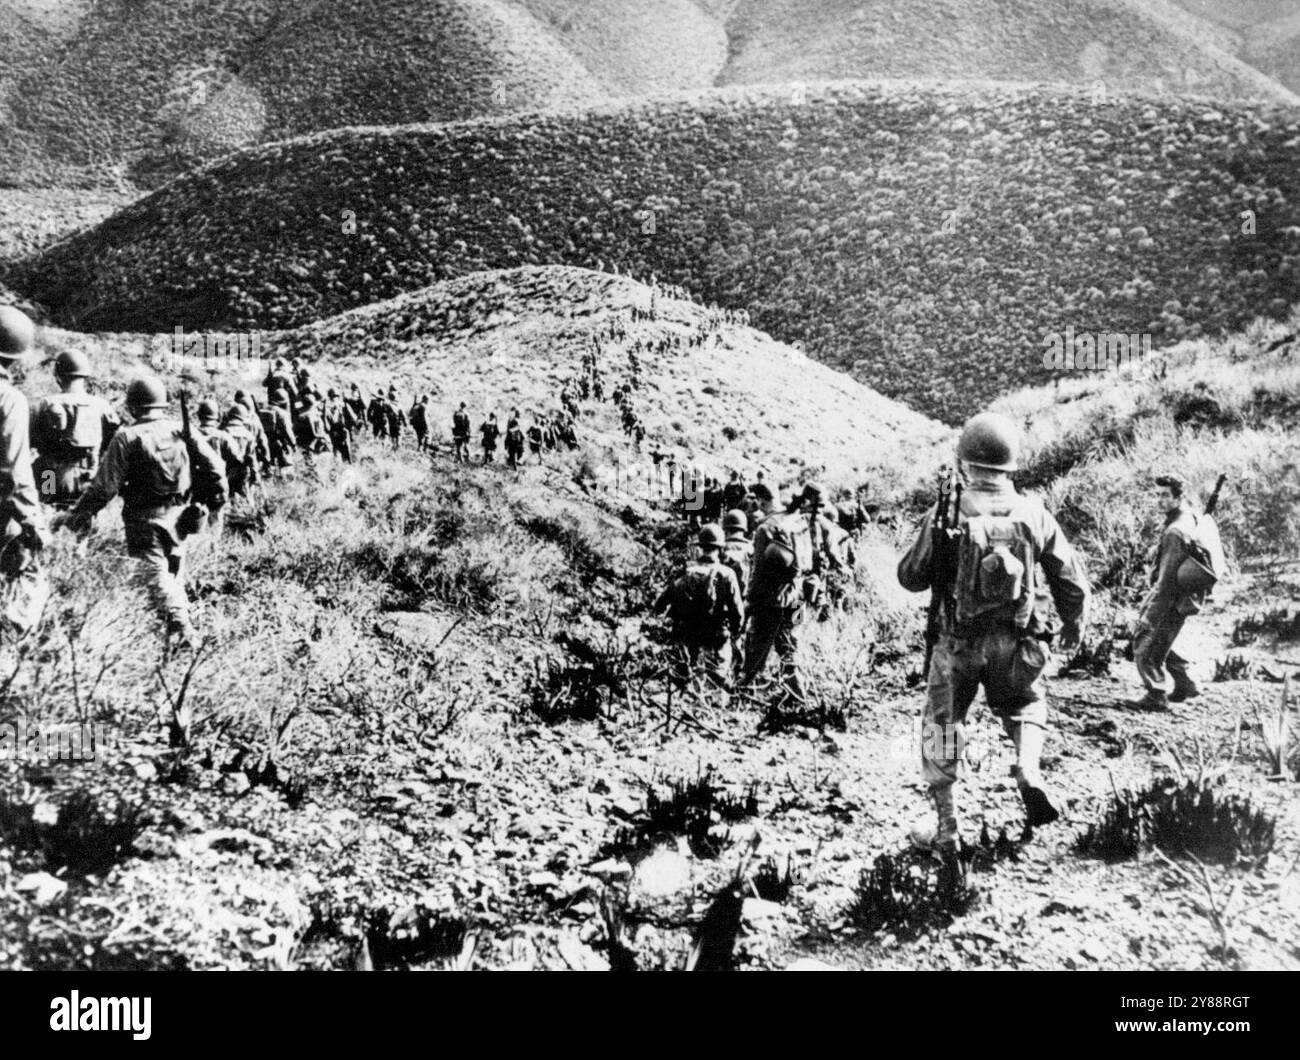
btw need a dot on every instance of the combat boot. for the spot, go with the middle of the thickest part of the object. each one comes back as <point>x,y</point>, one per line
<point>1040,808</point>
<point>1184,689</point>
<point>1155,700</point>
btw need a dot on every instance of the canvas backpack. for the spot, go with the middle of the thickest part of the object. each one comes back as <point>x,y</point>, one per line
<point>159,467</point>
<point>996,566</point>
<point>72,424</point>
<point>699,606</point>
<point>1205,563</point>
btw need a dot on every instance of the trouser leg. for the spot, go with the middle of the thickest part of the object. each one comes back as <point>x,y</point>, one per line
<point>953,681</point>
<point>160,573</point>
<point>764,624</point>
<point>1152,650</point>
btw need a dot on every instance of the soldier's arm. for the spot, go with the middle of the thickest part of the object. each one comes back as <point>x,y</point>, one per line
<point>1173,550</point>
<point>735,603</point>
<point>915,568</point>
<point>19,500</point>
<point>111,423</point>
<point>1066,576</point>
<point>105,485</point>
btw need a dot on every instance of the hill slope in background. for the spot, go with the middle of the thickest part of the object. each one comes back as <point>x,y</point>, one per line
<point>1264,33</point>
<point>515,338</point>
<point>106,90</point>
<point>930,239</point>
<point>1130,45</point>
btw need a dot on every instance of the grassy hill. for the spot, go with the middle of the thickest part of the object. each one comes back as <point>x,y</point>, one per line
<point>1130,45</point>
<point>86,101</point>
<point>928,239</point>
<point>1264,33</point>
<point>95,98</point>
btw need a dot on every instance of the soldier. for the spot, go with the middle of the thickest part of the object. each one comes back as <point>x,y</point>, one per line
<point>309,431</point>
<point>420,422</point>
<point>230,455</point>
<point>738,552</point>
<point>460,434</point>
<point>733,494</point>
<point>338,426</point>
<point>705,608</point>
<point>253,423</point>
<point>356,404</point>
<point>278,379</point>
<point>491,432</point>
<point>535,441</point>
<point>514,442</point>
<point>791,552</point>
<point>278,427</point>
<point>992,621</point>
<point>69,432</point>
<point>239,452</point>
<point>24,585</point>
<point>396,417</point>
<point>1166,607</point>
<point>149,464</point>
<point>377,415</point>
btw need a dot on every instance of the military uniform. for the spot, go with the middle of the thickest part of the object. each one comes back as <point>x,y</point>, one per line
<point>705,608</point>
<point>780,585</point>
<point>1164,610</point>
<point>22,522</point>
<point>148,464</point>
<point>990,625</point>
<point>69,432</point>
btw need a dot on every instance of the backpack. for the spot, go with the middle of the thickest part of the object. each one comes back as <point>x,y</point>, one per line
<point>70,425</point>
<point>159,468</point>
<point>699,606</point>
<point>996,567</point>
<point>1205,563</point>
<point>787,547</point>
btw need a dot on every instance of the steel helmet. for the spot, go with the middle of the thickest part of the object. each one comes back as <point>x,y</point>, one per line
<point>206,411</point>
<point>237,414</point>
<point>147,393</point>
<point>735,520</point>
<point>711,536</point>
<point>990,440</point>
<point>812,493</point>
<point>17,332</point>
<point>72,365</point>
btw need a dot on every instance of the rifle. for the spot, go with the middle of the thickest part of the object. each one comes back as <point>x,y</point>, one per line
<point>191,518</point>
<point>945,530</point>
<point>1213,502</point>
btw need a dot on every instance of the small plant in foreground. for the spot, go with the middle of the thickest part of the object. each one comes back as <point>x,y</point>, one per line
<point>907,894</point>
<point>1194,816</point>
<point>1232,668</point>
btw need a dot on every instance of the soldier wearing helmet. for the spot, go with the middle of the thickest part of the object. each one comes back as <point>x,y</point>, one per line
<point>705,609</point>
<point>792,553</point>
<point>993,622</point>
<point>156,471</point>
<point>24,586</point>
<point>69,432</point>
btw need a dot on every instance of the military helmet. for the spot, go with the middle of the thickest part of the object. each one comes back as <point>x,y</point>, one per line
<point>990,440</point>
<point>237,414</point>
<point>206,411</point>
<point>147,393</point>
<point>812,493</point>
<point>17,332</point>
<point>735,520</point>
<point>711,536</point>
<point>307,402</point>
<point>72,365</point>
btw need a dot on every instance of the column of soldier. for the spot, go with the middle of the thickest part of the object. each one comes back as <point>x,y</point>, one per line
<point>991,558</point>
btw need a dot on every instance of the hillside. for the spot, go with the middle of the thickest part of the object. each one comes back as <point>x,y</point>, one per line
<point>1129,45</point>
<point>1264,33</point>
<point>85,100</point>
<point>434,702</point>
<point>242,72</point>
<point>893,230</point>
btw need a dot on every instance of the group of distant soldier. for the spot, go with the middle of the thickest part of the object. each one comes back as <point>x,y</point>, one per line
<point>992,559</point>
